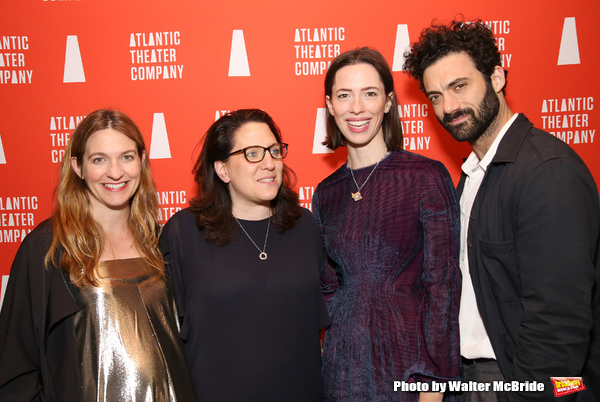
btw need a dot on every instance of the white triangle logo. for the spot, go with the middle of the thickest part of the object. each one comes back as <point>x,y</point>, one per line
<point>569,48</point>
<point>402,45</point>
<point>73,65</point>
<point>238,59</point>
<point>2,157</point>
<point>320,133</point>
<point>3,289</point>
<point>159,144</point>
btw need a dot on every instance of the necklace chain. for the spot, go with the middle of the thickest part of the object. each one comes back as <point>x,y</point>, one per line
<point>358,196</point>
<point>263,253</point>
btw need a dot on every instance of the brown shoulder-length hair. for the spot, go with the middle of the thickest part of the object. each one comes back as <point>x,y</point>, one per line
<point>392,128</point>
<point>213,205</point>
<point>77,237</point>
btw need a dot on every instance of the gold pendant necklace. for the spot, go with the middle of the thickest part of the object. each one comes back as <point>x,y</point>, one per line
<point>358,196</point>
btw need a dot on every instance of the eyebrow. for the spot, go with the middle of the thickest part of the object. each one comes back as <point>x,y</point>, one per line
<point>95,154</point>
<point>362,89</point>
<point>450,85</point>
<point>260,146</point>
<point>429,93</point>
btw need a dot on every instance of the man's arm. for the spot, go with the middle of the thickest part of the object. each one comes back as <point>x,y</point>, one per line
<point>557,225</point>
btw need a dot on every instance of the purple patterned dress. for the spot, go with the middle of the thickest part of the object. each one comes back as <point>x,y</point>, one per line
<point>392,282</point>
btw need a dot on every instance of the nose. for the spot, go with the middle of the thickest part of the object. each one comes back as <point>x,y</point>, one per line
<point>268,163</point>
<point>115,172</point>
<point>450,104</point>
<point>357,105</point>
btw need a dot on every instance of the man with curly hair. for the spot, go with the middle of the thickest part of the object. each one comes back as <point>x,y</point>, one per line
<point>530,224</point>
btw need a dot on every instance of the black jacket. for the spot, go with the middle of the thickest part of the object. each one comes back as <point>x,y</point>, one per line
<point>38,354</point>
<point>533,258</point>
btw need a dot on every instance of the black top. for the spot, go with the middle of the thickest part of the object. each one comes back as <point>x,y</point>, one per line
<point>250,326</point>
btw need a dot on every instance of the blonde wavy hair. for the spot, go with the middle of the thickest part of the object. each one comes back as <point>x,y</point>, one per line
<point>78,239</point>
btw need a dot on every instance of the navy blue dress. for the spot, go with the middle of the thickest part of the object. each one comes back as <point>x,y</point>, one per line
<point>392,281</point>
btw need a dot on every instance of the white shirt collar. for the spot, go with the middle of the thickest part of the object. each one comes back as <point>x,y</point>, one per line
<point>473,163</point>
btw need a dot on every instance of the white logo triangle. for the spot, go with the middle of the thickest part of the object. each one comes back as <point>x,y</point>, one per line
<point>2,156</point>
<point>569,47</point>
<point>159,144</point>
<point>402,45</point>
<point>320,133</point>
<point>3,288</point>
<point>73,64</point>
<point>238,59</point>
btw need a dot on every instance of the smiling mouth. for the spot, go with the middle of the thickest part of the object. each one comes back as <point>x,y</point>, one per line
<point>358,123</point>
<point>459,119</point>
<point>114,186</point>
<point>456,117</point>
<point>267,180</point>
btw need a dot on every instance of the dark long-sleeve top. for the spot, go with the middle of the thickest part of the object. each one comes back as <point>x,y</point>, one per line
<point>251,327</point>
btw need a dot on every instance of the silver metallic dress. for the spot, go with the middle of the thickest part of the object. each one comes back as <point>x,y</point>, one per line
<point>128,338</point>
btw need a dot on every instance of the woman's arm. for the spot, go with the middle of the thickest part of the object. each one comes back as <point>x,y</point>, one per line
<point>20,377</point>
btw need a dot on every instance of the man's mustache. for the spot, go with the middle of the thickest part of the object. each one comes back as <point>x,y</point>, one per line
<point>455,115</point>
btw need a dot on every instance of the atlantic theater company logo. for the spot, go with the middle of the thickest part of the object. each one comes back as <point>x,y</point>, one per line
<point>154,55</point>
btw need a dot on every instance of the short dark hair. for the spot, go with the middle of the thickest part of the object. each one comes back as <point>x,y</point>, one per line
<point>392,128</point>
<point>473,38</point>
<point>213,205</point>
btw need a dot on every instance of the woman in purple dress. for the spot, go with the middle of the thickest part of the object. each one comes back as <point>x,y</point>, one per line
<point>389,221</point>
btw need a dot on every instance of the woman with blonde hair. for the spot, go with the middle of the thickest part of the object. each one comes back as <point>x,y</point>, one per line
<point>88,314</point>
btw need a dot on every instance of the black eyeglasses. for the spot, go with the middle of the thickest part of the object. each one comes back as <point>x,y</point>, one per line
<point>256,153</point>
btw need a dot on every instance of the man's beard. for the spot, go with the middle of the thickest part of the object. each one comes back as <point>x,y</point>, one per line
<point>472,130</point>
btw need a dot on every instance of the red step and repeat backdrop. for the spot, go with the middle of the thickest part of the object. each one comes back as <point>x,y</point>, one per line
<point>176,66</point>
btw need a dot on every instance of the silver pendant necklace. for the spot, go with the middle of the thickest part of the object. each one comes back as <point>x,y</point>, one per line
<point>263,252</point>
<point>358,196</point>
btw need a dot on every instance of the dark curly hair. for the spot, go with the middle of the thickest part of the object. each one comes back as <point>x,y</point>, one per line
<point>213,205</point>
<point>473,38</point>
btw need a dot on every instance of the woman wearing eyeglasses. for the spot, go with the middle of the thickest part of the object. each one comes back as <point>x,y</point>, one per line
<point>245,260</point>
